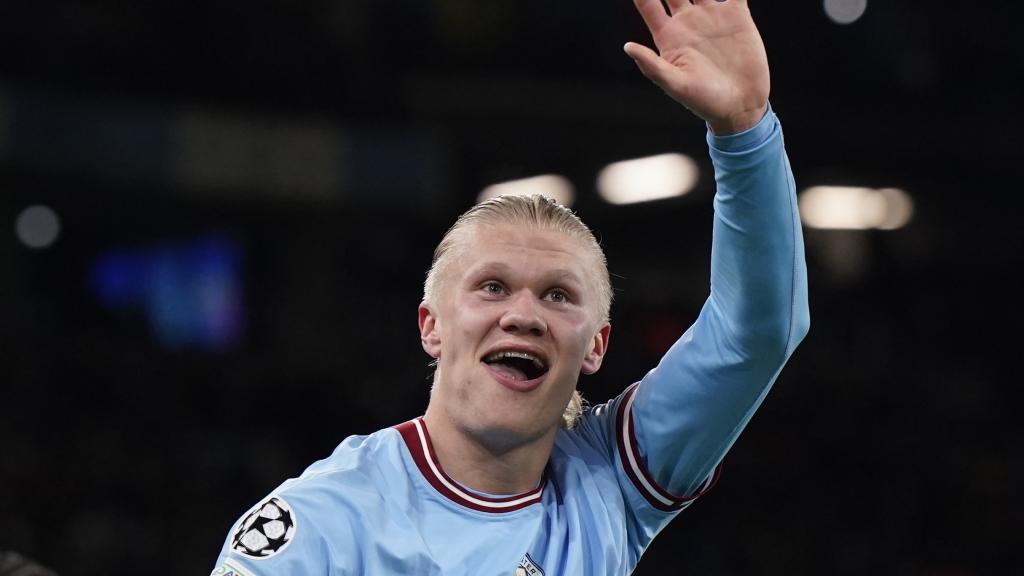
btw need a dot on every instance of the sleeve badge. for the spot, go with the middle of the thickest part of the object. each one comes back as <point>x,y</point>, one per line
<point>266,531</point>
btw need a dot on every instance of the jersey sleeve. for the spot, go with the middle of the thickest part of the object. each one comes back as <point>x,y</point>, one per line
<point>675,426</point>
<point>282,535</point>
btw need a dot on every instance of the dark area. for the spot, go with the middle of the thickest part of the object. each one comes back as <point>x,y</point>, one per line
<point>272,178</point>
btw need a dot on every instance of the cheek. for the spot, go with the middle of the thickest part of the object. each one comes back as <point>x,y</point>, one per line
<point>467,329</point>
<point>577,341</point>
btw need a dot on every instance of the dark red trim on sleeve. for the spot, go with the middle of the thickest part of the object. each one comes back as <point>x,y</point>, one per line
<point>636,469</point>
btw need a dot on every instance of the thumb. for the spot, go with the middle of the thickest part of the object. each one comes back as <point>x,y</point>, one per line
<point>651,65</point>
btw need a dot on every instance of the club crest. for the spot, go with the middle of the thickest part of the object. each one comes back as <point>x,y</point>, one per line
<point>527,567</point>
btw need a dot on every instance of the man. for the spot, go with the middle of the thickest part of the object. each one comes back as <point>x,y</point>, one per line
<point>504,474</point>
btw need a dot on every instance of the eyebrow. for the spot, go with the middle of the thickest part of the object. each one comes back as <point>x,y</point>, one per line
<point>490,267</point>
<point>558,275</point>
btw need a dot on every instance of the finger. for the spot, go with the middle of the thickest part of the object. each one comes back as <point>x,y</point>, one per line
<point>676,5</point>
<point>651,65</point>
<point>653,13</point>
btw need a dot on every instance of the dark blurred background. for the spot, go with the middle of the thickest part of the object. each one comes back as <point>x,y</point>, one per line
<point>219,216</point>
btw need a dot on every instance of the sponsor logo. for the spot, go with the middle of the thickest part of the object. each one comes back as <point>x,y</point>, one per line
<point>228,569</point>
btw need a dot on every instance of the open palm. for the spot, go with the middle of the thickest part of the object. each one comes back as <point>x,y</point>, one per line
<point>712,59</point>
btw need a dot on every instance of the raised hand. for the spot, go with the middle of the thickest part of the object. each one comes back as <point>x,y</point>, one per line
<point>712,60</point>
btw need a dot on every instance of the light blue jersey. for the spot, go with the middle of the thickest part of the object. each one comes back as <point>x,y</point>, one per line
<point>382,504</point>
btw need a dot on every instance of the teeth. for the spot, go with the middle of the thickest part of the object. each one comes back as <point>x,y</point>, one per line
<point>537,362</point>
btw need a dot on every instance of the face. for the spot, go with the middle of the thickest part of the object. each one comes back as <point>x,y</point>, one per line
<point>515,324</point>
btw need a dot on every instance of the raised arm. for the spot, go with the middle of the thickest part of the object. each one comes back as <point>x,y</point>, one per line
<point>682,418</point>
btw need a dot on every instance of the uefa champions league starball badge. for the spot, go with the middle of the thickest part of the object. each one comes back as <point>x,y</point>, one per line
<point>266,530</point>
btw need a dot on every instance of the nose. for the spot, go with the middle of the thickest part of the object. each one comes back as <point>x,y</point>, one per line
<point>523,316</point>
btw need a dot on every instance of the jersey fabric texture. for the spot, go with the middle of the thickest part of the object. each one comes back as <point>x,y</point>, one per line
<point>382,504</point>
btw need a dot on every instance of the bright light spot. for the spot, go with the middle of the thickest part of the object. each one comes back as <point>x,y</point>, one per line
<point>851,208</point>
<point>899,208</point>
<point>646,179</point>
<point>845,11</point>
<point>37,226</point>
<point>558,188</point>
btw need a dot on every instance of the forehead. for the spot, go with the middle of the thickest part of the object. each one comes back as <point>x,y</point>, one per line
<point>521,247</point>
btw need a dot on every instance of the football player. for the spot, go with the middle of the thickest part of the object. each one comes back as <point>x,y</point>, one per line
<point>506,472</point>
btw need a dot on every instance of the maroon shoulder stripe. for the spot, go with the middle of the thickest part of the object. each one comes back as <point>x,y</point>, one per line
<point>417,440</point>
<point>632,462</point>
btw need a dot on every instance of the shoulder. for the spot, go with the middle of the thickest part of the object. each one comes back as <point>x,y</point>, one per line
<point>305,522</point>
<point>593,436</point>
<point>359,466</point>
<point>355,457</point>
<point>606,440</point>
<point>587,453</point>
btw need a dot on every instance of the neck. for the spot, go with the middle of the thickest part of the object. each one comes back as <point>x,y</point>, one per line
<point>493,463</point>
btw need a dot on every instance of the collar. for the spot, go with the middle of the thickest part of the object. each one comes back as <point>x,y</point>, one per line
<point>417,440</point>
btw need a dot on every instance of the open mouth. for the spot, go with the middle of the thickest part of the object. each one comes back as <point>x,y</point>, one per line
<point>517,365</point>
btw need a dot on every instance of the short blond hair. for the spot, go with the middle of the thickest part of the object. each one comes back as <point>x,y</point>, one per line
<point>544,214</point>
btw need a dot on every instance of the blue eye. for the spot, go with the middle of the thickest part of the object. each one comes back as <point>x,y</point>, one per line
<point>492,288</point>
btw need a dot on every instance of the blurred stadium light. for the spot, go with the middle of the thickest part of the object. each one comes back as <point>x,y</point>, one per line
<point>216,151</point>
<point>845,11</point>
<point>854,208</point>
<point>209,152</point>
<point>190,292</point>
<point>37,226</point>
<point>556,187</point>
<point>646,179</point>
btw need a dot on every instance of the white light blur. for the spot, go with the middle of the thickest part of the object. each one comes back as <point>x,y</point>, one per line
<point>37,226</point>
<point>556,187</point>
<point>845,11</point>
<point>646,179</point>
<point>854,208</point>
<point>899,208</point>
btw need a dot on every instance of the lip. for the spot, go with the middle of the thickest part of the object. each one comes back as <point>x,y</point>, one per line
<point>512,384</point>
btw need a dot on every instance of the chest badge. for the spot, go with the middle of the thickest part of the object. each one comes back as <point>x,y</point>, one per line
<point>527,567</point>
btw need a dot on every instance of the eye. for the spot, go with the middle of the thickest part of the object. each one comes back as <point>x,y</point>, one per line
<point>492,288</point>
<point>558,296</point>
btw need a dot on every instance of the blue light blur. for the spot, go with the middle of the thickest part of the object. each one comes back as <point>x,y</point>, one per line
<point>190,292</point>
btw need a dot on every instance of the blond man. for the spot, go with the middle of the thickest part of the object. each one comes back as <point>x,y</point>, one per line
<point>506,473</point>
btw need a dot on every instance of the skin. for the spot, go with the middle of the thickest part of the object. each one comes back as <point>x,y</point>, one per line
<point>518,288</point>
<point>710,58</point>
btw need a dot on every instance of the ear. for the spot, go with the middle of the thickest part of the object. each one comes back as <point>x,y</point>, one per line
<point>595,355</point>
<point>430,338</point>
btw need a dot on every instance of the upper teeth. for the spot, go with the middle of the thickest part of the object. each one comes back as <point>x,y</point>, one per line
<point>537,362</point>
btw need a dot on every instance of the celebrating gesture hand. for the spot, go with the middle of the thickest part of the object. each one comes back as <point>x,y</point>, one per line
<point>712,60</point>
